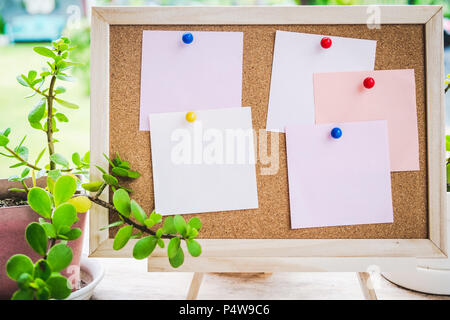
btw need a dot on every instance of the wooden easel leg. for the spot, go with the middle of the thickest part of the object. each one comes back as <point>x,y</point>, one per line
<point>366,286</point>
<point>195,286</point>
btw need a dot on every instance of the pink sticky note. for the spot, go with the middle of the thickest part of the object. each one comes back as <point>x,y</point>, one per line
<point>205,74</point>
<point>341,97</point>
<point>334,182</point>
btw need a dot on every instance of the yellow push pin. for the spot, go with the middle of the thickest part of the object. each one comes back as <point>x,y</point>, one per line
<point>191,116</point>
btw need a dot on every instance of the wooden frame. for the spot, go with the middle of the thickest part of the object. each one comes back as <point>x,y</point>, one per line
<point>289,254</point>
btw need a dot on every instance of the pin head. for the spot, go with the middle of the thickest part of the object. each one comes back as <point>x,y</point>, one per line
<point>191,116</point>
<point>369,83</point>
<point>336,133</point>
<point>187,38</point>
<point>326,42</point>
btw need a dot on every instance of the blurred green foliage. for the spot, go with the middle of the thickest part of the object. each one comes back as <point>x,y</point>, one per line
<point>445,3</point>
<point>81,39</point>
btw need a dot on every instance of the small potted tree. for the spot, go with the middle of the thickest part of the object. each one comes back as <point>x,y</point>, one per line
<point>43,213</point>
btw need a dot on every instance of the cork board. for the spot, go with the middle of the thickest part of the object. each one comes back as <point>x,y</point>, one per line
<point>272,218</point>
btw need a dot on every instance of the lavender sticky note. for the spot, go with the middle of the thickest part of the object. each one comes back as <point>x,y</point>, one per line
<point>335,182</point>
<point>176,76</point>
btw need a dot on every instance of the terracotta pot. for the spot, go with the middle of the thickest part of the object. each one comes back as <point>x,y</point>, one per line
<point>13,222</point>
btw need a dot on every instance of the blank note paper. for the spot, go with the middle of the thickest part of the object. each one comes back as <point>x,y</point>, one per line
<point>335,182</point>
<point>203,166</point>
<point>296,57</point>
<point>175,76</point>
<point>341,97</point>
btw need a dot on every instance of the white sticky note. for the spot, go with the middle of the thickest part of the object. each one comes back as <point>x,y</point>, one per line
<point>297,56</point>
<point>203,166</point>
<point>175,76</point>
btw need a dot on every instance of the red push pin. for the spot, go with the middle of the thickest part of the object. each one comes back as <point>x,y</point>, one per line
<point>369,83</point>
<point>326,42</point>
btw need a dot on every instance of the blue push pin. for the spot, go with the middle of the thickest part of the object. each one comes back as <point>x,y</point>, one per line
<point>187,38</point>
<point>336,133</point>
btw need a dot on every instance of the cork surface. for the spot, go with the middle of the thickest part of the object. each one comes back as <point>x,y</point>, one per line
<point>398,47</point>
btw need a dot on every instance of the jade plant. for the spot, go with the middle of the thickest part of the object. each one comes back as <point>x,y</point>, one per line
<point>67,192</point>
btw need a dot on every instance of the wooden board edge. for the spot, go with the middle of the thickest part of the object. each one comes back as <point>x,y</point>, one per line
<point>437,188</point>
<point>238,15</point>
<point>294,248</point>
<point>99,126</point>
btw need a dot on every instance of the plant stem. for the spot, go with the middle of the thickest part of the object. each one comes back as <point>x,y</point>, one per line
<point>448,87</point>
<point>141,228</point>
<point>18,157</point>
<point>50,97</point>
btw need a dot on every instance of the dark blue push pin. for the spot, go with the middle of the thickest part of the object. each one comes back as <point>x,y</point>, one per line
<point>336,133</point>
<point>187,38</point>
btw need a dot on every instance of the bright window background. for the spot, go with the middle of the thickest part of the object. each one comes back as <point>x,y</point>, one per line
<point>16,58</point>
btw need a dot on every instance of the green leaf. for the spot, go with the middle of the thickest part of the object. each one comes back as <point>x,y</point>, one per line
<point>76,159</point>
<point>65,188</point>
<point>178,259</point>
<point>169,226</point>
<point>60,89</point>
<point>3,140</point>
<point>86,157</point>
<point>59,287</point>
<point>93,186</point>
<point>59,159</point>
<point>32,75</point>
<point>114,224</point>
<point>22,80</point>
<point>180,224</point>
<point>36,125</point>
<point>61,117</point>
<point>111,180</point>
<point>121,201</point>
<point>122,237</point>
<point>101,169</point>
<point>144,247</point>
<point>6,132</point>
<point>161,243</point>
<point>23,294</point>
<point>49,229</point>
<point>42,270</point>
<point>46,52</point>
<point>24,280</point>
<point>59,257</point>
<point>73,234</point>
<point>40,156</point>
<point>37,238</point>
<point>43,294</point>
<point>448,173</point>
<point>120,172</point>
<point>39,200</point>
<point>65,78</point>
<point>193,247</point>
<point>25,173</point>
<point>64,215</point>
<point>138,212</point>
<point>153,219</point>
<point>133,174</point>
<point>172,248</point>
<point>195,223</point>
<point>23,152</point>
<point>38,111</point>
<point>17,265</point>
<point>67,104</point>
